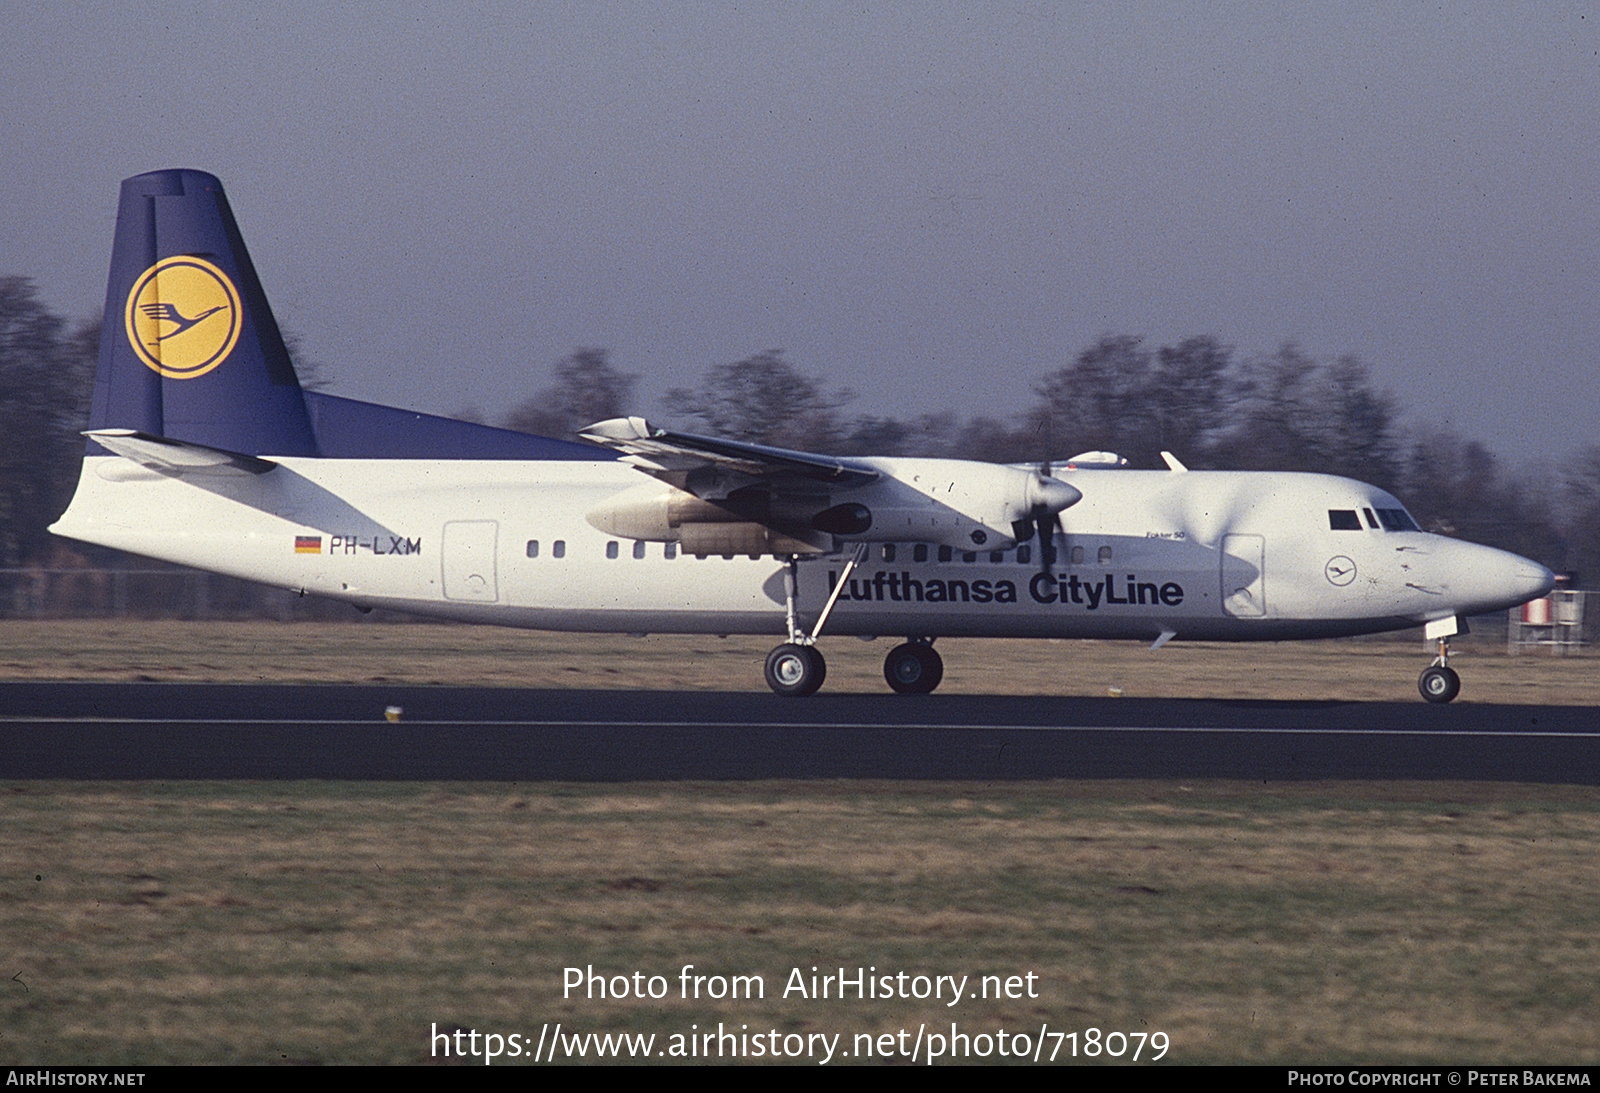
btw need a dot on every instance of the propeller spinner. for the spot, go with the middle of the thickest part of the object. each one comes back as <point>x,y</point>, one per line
<point>1046,497</point>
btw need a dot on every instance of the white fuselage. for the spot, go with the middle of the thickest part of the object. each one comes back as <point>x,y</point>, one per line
<point>1204,555</point>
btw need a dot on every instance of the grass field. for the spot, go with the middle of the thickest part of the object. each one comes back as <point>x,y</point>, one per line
<point>341,922</point>
<point>497,657</point>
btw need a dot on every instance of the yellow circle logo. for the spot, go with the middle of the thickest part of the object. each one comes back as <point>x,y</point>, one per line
<point>183,317</point>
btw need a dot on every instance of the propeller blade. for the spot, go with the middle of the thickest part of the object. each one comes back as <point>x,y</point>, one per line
<point>1049,526</point>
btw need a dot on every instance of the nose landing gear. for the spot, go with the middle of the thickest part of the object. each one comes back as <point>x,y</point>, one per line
<point>1439,682</point>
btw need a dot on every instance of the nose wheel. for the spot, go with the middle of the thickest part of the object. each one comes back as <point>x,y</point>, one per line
<point>1439,682</point>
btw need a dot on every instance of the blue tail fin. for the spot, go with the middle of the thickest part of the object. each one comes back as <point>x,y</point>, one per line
<point>190,349</point>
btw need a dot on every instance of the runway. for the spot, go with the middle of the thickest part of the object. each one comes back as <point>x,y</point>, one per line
<point>186,731</point>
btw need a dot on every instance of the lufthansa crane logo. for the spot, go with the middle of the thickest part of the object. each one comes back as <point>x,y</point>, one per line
<point>183,317</point>
<point>1340,570</point>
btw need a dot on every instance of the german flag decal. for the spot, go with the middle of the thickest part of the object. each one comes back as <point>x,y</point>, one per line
<point>308,544</point>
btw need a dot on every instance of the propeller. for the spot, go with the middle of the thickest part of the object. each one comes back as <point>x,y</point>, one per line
<point>1046,496</point>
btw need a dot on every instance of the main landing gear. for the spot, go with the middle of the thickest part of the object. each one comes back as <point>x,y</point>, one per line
<point>796,668</point>
<point>1439,682</point>
<point>913,668</point>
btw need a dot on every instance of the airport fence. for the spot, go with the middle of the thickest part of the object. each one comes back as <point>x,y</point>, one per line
<point>153,592</point>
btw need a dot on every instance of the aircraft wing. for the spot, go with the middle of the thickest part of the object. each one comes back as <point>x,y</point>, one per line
<point>749,490</point>
<point>670,455</point>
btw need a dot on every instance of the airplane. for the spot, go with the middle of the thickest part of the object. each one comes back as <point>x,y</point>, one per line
<point>204,450</point>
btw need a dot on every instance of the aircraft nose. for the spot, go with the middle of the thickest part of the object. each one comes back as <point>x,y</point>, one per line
<point>1533,580</point>
<point>1498,579</point>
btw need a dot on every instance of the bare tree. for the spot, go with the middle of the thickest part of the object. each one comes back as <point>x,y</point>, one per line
<point>1454,487</point>
<point>1190,396</point>
<point>588,389</point>
<point>1581,486</point>
<point>1098,402</point>
<point>46,377</point>
<point>1358,437</point>
<point>1276,415</point>
<point>764,399</point>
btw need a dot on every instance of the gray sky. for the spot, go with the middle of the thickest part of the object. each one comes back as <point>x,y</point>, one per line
<point>931,204</point>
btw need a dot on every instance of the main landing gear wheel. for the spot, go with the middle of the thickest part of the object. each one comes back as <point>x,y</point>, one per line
<point>1439,683</point>
<point>795,670</point>
<point>913,668</point>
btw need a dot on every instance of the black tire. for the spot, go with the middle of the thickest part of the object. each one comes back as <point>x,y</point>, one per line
<point>795,670</point>
<point>913,668</point>
<point>1439,684</point>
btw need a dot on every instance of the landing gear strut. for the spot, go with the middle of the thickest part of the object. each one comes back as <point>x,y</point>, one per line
<point>1439,682</point>
<point>795,668</point>
<point>913,668</point>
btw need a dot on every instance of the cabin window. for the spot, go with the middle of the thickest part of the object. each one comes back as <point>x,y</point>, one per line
<point>888,552</point>
<point>1105,555</point>
<point>997,556</point>
<point>558,549</point>
<point>1024,554</point>
<point>533,548</point>
<point>1343,520</point>
<point>969,556</point>
<point>611,549</point>
<point>945,554</point>
<point>638,549</point>
<point>919,553</point>
<point>670,551</point>
<point>1077,555</point>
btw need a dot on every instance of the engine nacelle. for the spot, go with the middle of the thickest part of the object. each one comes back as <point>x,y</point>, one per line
<point>659,513</point>
<point>958,503</point>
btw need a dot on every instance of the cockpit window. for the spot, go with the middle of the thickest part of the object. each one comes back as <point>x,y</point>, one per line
<point>1343,520</point>
<point>1397,520</point>
<point>1372,521</point>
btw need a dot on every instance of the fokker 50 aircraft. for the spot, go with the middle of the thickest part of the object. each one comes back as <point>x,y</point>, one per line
<point>204,450</point>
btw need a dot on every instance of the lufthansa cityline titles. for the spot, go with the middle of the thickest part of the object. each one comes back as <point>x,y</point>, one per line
<point>1044,587</point>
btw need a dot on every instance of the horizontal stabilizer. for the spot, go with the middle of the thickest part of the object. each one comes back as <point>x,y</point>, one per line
<point>178,457</point>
